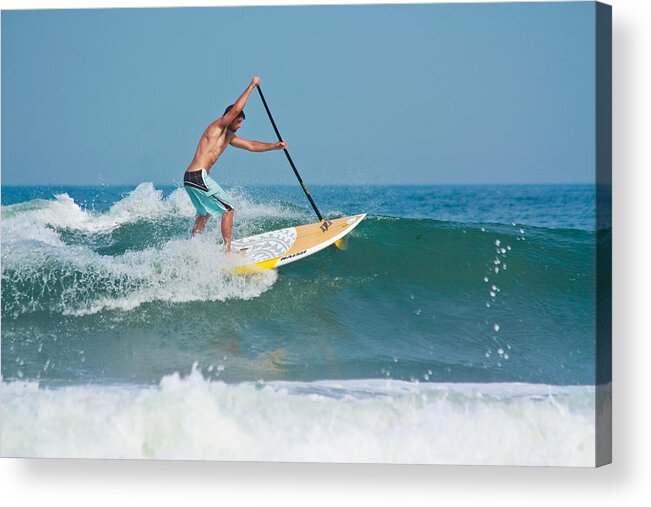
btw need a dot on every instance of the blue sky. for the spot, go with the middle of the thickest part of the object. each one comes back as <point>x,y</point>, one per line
<point>394,94</point>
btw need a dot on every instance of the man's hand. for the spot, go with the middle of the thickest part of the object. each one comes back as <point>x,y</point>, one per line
<point>282,145</point>
<point>255,81</point>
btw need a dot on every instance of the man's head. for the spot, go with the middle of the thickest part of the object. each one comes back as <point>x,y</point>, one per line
<point>237,122</point>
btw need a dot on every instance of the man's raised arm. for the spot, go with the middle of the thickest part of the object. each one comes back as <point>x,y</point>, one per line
<point>235,111</point>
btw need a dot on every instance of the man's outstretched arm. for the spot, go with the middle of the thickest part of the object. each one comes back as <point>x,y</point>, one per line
<point>257,146</point>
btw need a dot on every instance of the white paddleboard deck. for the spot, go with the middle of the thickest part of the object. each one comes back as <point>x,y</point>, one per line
<point>277,248</point>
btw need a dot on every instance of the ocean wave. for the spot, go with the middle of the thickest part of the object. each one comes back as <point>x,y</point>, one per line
<point>59,257</point>
<point>376,421</point>
<point>51,260</point>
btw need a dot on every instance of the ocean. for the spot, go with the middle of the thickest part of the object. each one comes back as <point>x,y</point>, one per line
<point>457,327</point>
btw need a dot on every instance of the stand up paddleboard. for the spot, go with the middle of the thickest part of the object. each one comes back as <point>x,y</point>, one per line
<point>277,248</point>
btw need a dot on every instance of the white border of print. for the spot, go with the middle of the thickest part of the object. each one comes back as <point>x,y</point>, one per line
<point>100,482</point>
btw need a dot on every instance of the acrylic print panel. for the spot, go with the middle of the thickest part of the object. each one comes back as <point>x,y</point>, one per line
<point>465,320</point>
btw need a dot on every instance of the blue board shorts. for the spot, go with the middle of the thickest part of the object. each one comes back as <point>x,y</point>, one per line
<point>206,195</point>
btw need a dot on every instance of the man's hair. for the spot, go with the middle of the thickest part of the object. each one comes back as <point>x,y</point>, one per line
<point>231,107</point>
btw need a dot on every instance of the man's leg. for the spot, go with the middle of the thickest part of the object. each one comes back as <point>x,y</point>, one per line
<point>200,224</point>
<point>227,228</point>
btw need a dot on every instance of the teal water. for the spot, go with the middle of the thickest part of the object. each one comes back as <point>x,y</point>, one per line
<point>458,327</point>
<point>439,284</point>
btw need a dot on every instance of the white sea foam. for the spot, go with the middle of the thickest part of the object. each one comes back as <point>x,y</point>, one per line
<point>337,421</point>
<point>62,212</point>
<point>179,270</point>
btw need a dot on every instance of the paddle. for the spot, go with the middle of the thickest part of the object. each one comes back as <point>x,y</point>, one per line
<point>325,224</point>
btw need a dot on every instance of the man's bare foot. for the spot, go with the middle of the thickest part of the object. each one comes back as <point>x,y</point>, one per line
<point>239,253</point>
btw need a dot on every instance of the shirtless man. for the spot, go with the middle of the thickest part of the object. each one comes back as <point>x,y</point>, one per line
<point>206,195</point>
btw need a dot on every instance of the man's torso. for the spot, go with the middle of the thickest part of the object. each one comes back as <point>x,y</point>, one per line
<point>212,144</point>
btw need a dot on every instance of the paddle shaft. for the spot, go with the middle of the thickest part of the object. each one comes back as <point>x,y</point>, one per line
<point>289,158</point>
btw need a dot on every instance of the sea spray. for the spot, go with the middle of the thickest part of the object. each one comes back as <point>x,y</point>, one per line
<point>42,271</point>
<point>77,281</point>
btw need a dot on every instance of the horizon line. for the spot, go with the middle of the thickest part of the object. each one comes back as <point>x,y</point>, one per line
<point>95,185</point>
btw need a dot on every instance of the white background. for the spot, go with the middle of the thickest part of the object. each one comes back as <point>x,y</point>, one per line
<point>626,482</point>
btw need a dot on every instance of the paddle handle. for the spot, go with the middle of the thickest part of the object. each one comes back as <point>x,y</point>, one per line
<point>289,158</point>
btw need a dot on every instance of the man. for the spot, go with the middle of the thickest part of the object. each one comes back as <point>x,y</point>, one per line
<point>206,195</point>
